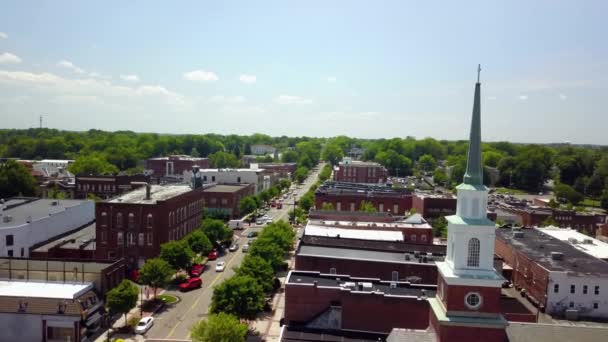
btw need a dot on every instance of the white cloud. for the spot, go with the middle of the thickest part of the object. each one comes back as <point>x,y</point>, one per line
<point>91,89</point>
<point>226,99</point>
<point>562,97</point>
<point>523,97</point>
<point>130,78</point>
<point>201,76</point>
<point>248,79</point>
<point>291,99</point>
<point>3,35</point>
<point>98,75</point>
<point>332,79</point>
<point>9,58</point>
<point>69,65</point>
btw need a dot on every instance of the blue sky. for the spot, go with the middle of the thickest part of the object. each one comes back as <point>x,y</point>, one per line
<point>372,69</point>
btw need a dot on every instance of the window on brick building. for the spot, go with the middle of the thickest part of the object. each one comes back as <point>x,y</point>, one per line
<point>413,237</point>
<point>119,220</point>
<point>10,240</point>
<point>596,290</point>
<point>332,270</point>
<point>130,239</point>
<point>149,221</point>
<point>584,289</point>
<point>119,239</point>
<point>381,207</point>
<point>556,288</point>
<point>104,219</point>
<point>103,237</point>
<point>131,222</point>
<point>149,239</point>
<point>140,239</point>
<point>395,276</point>
<point>473,255</point>
<point>224,201</point>
<point>423,238</point>
<point>395,209</point>
<point>572,288</point>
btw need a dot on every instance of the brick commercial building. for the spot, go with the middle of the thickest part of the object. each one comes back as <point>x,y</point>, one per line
<point>134,225</point>
<point>359,172</point>
<point>564,280</point>
<point>174,166</point>
<point>108,186</point>
<point>226,198</point>
<point>282,170</point>
<point>261,179</point>
<point>348,197</point>
<point>431,205</point>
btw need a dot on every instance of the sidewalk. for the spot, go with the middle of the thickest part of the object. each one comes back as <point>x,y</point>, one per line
<point>120,322</point>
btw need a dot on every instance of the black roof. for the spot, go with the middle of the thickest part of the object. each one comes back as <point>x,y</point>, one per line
<point>292,334</point>
<point>539,247</point>
<point>363,189</point>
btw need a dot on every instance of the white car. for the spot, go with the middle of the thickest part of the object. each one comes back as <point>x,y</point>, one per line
<point>220,266</point>
<point>144,325</point>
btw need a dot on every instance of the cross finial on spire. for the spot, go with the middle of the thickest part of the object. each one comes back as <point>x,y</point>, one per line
<point>478,71</point>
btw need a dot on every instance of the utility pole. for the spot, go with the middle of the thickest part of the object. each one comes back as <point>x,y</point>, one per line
<point>40,121</point>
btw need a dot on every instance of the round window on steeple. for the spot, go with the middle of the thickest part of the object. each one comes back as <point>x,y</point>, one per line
<point>472,300</point>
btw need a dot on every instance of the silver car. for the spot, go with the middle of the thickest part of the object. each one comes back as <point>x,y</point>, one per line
<point>144,325</point>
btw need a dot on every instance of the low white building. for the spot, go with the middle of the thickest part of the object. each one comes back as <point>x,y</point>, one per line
<point>580,241</point>
<point>48,311</point>
<point>255,176</point>
<point>53,167</point>
<point>25,222</point>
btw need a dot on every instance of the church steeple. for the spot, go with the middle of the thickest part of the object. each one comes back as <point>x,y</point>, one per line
<point>474,173</point>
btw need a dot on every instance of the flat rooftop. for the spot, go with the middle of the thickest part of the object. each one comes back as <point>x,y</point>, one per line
<point>34,209</point>
<point>370,285</point>
<point>357,163</point>
<point>363,189</point>
<point>369,224</point>
<point>373,245</point>
<point>157,193</point>
<point>363,234</point>
<point>227,188</point>
<point>360,254</point>
<point>580,241</point>
<point>538,246</point>
<point>84,236</point>
<point>34,289</point>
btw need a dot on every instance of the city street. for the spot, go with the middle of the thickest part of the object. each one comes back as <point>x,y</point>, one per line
<point>174,322</point>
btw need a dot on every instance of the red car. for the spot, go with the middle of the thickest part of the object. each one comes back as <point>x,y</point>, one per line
<point>191,284</point>
<point>212,255</point>
<point>197,270</point>
<point>273,204</point>
<point>134,275</point>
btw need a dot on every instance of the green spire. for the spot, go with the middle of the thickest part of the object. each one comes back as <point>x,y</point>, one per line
<point>474,173</point>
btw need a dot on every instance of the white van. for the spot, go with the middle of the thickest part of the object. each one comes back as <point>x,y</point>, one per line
<point>236,224</point>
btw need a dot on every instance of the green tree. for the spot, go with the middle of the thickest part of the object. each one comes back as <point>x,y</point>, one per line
<point>307,201</point>
<point>300,174</point>
<point>397,164</point>
<point>156,273</point>
<point>552,203</point>
<point>258,269</point>
<point>549,221</point>
<point>222,159</point>
<point>325,173</point>
<point>199,242</point>
<point>564,192</point>
<point>327,206</point>
<point>440,227</point>
<point>247,205</point>
<point>219,327</point>
<point>216,230</point>
<point>280,233</point>
<point>332,153</point>
<point>427,162</point>
<point>284,183</point>
<point>604,200</point>
<point>122,298</point>
<point>177,253</point>
<point>92,165</point>
<point>268,250</point>
<point>491,158</point>
<point>367,207</point>
<point>241,296</point>
<point>439,177</point>
<point>289,156</point>
<point>15,179</point>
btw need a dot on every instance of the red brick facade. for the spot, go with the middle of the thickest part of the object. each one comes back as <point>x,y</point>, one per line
<point>217,198</point>
<point>359,172</point>
<point>434,206</point>
<point>526,273</point>
<point>360,311</point>
<point>107,186</point>
<point>174,165</point>
<point>447,333</point>
<point>135,231</point>
<point>396,204</point>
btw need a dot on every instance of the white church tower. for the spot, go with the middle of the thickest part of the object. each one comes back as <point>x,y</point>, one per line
<point>468,293</point>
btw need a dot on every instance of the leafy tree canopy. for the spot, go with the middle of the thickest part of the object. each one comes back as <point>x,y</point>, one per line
<point>219,327</point>
<point>156,273</point>
<point>240,296</point>
<point>177,253</point>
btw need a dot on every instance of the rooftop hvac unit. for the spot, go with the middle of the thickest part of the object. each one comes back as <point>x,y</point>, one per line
<point>588,241</point>
<point>572,240</point>
<point>557,255</point>
<point>393,285</point>
<point>7,218</point>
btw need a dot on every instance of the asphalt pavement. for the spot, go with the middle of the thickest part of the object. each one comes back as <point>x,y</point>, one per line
<point>174,322</point>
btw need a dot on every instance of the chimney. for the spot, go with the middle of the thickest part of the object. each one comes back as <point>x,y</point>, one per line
<point>148,189</point>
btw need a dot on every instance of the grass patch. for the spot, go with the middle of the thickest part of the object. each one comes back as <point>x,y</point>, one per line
<point>511,191</point>
<point>168,299</point>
